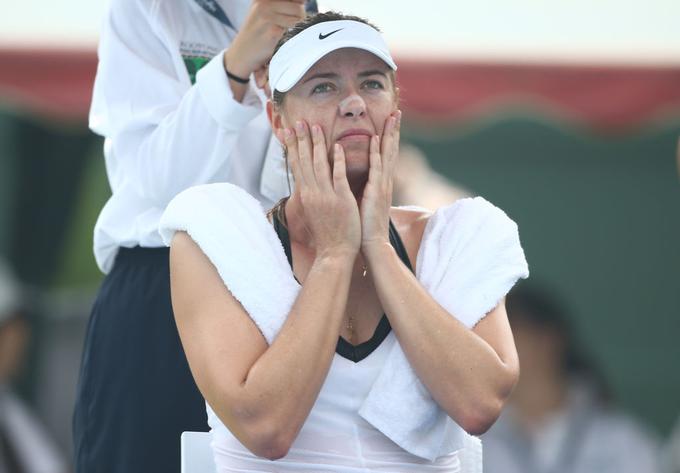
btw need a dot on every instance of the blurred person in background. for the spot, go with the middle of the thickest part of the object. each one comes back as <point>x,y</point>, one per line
<point>178,99</point>
<point>416,183</point>
<point>560,417</point>
<point>25,445</point>
<point>671,454</point>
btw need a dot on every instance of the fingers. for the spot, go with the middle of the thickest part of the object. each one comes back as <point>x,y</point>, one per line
<point>390,141</point>
<point>374,160</point>
<point>340,183</point>
<point>321,167</point>
<point>304,148</point>
<point>292,156</point>
<point>288,8</point>
<point>285,14</point>
<point>283,22</point>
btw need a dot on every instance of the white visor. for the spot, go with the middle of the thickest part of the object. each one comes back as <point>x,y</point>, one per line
<point>302,51</point>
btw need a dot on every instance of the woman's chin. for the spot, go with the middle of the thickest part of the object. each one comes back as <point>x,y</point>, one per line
<point>357,166</point>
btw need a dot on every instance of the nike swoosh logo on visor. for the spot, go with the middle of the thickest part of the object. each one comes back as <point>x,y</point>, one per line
<point>324,36</point>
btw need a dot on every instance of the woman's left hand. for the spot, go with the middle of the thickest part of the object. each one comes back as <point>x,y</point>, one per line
<point>377,197</point>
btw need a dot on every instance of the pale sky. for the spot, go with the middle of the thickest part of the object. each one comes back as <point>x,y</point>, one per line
<point>582,31</point>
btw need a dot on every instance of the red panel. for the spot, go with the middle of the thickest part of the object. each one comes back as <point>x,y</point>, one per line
<point>609,98</point>
<point>59,84</point>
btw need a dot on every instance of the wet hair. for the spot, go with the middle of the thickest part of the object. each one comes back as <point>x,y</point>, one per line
<point>278,97</point>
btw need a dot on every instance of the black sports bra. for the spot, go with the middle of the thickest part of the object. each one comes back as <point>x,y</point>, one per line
<point>344,348</point>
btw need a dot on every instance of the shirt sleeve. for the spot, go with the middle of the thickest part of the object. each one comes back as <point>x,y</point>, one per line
<point>163,133</point>
<point>470,257</point>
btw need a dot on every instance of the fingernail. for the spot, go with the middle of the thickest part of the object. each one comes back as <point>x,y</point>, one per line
<point>287,133</point>
<point>315,129</point>
<point>299,127</point>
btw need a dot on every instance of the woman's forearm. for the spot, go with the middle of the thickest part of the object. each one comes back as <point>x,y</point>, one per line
<point>463,372</point>
<point>282,385</point>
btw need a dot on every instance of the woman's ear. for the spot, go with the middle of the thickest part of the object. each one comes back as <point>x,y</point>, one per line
<point>275,120</point>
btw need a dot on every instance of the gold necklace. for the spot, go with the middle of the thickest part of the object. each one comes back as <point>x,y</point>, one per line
<point>350,319</point>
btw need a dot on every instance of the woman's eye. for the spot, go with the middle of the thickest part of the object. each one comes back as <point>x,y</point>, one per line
<point>322,88</point>
<point>373,84</point>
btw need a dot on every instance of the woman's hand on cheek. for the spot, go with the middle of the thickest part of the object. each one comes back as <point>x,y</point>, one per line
<point>329,208</point>
<point>377,198</point>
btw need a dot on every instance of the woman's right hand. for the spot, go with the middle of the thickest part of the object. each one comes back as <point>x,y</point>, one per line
<point>330,211</point>
<point>253,45</point>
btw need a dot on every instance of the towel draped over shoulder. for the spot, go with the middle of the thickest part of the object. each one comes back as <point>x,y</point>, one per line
<point>469,258</point>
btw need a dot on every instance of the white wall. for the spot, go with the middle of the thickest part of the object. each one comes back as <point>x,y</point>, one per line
<point>595,31</point>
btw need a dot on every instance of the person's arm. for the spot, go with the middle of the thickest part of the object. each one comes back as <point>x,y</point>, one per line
<point>262,393</point>
<point>469,373</point>
<point>165,134</point>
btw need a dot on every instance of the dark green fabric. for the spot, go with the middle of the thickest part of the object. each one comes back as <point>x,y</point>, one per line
<point>599,219</point>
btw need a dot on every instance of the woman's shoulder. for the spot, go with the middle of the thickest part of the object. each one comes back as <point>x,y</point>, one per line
<point>461,220</point>
<point>410,223</point>
<point>469,215</point>
<point>216,195</point>
<point>210,207</point>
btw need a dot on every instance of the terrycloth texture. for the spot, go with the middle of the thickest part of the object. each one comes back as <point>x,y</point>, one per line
<point>469,258</point>
<point>231,228</point>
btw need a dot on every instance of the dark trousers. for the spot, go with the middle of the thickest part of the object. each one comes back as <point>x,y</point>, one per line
<point>136,394</point>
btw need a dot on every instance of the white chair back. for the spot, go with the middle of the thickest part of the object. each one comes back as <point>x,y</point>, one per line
<point>197,455</point>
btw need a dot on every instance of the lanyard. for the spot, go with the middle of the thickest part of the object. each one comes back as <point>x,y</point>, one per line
<point>214,9</point>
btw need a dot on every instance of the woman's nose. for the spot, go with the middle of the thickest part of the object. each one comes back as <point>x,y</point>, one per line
<point>352,106</point>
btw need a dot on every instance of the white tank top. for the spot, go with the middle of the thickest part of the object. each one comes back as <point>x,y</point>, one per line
<point>334,438</point>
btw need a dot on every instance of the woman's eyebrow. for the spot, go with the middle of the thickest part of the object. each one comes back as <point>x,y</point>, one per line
<point>372,72</point>
<point>322,75</point>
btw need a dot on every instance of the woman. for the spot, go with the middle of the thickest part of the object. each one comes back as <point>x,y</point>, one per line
<point>303,367</point>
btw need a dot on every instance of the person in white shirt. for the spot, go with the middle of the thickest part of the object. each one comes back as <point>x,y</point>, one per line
<point>176,99</point>
<point>558,419</point>
<point>293,394</point>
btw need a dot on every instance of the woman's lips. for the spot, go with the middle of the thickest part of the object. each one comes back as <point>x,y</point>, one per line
<point>355,135</point>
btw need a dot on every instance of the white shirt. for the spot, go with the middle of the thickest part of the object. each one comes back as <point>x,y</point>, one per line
<point>164,134</point>
<point>334,438</point>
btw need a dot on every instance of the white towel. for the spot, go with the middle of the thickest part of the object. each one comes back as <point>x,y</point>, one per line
<point>469,258</point>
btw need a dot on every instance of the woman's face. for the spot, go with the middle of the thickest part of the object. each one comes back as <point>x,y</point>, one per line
<point>350,94</point>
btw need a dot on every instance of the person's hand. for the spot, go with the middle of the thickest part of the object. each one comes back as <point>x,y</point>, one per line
<point>377,198</point>
<point>254,44</point>
<point>262,80</point>
<point>329,208</point>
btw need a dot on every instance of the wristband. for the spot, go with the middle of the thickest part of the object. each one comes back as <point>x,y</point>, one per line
<point>238,79</point>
